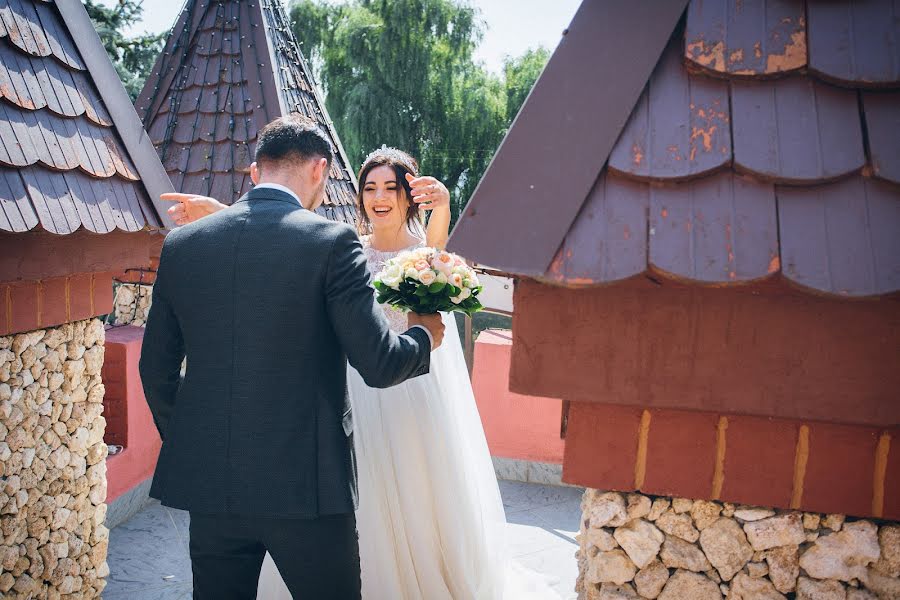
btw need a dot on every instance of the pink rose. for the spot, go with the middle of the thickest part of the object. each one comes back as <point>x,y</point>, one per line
<point>422,265</point>
<point>427,277</point>
<point>443,262</point>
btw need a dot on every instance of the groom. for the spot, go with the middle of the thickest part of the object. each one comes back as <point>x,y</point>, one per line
<point>268,301</point>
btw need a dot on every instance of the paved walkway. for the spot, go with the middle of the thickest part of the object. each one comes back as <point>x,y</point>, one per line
<point>148,555</point>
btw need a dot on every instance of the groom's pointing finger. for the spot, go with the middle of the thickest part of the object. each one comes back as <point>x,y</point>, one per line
<point>178,197</point>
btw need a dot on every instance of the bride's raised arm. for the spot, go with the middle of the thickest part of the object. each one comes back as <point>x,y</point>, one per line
<point>431,194</point>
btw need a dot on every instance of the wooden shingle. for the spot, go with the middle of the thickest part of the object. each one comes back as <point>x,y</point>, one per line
<point>63,164</point>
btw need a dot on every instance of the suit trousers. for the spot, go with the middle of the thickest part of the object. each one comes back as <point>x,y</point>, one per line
<point>317,558</point>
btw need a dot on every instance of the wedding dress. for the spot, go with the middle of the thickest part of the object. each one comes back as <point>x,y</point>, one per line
<point>430,518</point>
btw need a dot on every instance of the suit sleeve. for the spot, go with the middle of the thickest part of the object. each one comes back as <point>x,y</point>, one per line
<point>162,352</point>
<point>382,357</point>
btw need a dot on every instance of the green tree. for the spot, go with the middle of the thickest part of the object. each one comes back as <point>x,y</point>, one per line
<point>133,57</point>
<point>520,73</point>
<point>401,72</point>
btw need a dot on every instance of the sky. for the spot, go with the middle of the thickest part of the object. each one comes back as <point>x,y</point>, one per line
<point>513,26</point>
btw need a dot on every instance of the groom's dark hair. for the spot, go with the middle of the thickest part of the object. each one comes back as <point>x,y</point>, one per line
<point>293,137</point>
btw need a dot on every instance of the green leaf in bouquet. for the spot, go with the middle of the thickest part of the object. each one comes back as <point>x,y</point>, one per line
<point>422,291</point>
<point>437,287</point>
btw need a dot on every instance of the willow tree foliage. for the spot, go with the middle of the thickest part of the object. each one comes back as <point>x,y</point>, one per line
<point>133,56</point>
<point>402,73</point>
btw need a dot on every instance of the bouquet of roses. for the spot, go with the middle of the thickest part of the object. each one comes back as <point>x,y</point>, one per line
<point>427,281</point>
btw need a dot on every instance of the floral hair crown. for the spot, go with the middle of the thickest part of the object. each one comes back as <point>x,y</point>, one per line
<point>393,155</point>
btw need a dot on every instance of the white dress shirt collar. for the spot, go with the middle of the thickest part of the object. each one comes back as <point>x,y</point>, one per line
<point>278,186</point>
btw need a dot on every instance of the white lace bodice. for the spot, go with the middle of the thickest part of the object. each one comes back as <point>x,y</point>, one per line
<point>377,259</point>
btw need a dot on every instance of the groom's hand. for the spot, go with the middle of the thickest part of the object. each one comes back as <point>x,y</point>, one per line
<point>433,323</point>
<point>190,207</point>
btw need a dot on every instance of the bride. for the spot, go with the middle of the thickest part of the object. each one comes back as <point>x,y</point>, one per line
<point>430,517</point>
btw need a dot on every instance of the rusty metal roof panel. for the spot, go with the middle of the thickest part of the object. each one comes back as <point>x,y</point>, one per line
<point>716,229</point>
<point>680,127</point>
<point>733,37</point>
<point>608,241</point>
<point>62,161</point>
<point>882,112</point>
<point>796,130</point>
<point>751,156</point>
<point>841,238</point>
<point>855,42</point>
<point>228,68</point>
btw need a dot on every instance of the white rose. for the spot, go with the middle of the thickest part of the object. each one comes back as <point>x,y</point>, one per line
<point>465,294</point>
<point>391,282</point>
<point>427,277</point>
<point>441,278</point>
<point>455,280</point>
<point>456,299</point>
<point>412,274</point>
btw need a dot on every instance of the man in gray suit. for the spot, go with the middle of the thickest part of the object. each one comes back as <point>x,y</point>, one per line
<point>268,301</point>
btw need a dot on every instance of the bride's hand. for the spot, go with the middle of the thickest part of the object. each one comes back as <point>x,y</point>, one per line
<point>428,192</point>
<point>190,207</point>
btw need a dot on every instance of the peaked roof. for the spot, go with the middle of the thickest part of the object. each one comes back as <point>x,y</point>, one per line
<point>228,68</point>
<point>72,153</point>
<point>764,143</point>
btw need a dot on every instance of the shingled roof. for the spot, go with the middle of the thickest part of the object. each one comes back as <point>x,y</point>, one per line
<point>765,143</point>
<point>228,68</point>
<point>63,161</point>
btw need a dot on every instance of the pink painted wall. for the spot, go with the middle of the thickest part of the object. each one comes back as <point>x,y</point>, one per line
<point>128,417</point>
<point>516,426</point>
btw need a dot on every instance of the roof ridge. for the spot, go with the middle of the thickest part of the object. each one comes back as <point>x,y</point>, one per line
<point>228,68</point>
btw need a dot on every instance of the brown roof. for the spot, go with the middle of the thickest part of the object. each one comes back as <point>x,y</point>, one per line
<point>764,142</point>
<point>228,68</point>
<point>63,163</point>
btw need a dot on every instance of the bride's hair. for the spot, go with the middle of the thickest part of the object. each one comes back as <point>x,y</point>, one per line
<point>402,163</point>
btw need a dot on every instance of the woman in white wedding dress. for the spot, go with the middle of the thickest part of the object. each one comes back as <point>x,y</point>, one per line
<point>430,519</point>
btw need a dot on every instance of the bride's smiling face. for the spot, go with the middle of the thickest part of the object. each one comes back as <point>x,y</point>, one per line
<point>385,199</point>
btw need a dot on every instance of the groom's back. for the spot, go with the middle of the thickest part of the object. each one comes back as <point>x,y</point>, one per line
<point>257,424</point>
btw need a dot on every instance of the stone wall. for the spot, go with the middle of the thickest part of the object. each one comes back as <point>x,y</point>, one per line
<point>636,546</point>
<point>52,463</point>
<point>132,303</point>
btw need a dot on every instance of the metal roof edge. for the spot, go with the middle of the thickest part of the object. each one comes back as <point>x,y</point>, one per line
<point>129,127</point>
<point>320,100</point>
<point>600,38</point>
<point>279,7</point>
<point>270,46</point>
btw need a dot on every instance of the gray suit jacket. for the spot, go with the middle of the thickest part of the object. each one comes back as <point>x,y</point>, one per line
<point>268,301</point>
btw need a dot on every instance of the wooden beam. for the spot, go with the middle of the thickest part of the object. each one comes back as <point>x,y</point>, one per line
<point>38,255</point>
<point>764,349</point>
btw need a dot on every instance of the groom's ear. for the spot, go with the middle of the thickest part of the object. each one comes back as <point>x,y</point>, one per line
<point>254,173</point>
<point>320,169</point>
